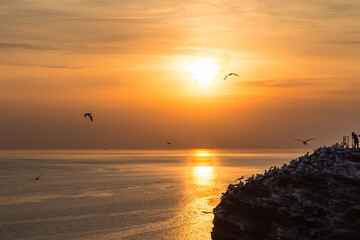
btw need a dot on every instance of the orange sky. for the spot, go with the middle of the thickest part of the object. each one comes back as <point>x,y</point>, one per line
<point>127,62</point>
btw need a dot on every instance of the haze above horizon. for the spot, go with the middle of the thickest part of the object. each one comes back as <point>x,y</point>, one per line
<point>152,71</point>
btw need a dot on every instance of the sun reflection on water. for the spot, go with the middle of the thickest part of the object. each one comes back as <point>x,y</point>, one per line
<point>203,154</point>
<point>203,175</point>
<point>202,167</point>
<point>201,189</point>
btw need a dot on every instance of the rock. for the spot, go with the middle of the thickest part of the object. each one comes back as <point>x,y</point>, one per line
<point>317,199</point>
<point>353,214</point>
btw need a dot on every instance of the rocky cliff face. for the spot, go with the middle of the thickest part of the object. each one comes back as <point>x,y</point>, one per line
<point>316,196</point>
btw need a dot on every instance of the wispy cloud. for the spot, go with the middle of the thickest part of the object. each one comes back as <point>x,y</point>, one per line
<point>293,82</point>
<point>31,46</point>
<point>346,42</point>
<point>289,83</point>
<point>60,66</point>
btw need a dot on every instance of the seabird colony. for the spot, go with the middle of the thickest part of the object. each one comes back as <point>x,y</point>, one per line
<point>314,196</point>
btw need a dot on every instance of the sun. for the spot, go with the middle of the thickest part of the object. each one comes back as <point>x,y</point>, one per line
<point>204,71</point>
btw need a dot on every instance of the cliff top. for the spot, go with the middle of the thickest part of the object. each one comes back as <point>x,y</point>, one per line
<point>314,196</point>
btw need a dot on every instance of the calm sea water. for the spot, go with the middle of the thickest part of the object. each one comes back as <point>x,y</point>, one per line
<point>120,194</point>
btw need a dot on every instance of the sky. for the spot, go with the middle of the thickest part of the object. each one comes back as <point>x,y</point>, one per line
<point>128,63</point>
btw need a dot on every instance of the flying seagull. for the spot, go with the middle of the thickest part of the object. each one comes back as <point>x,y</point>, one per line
<point>169,142</point>
<point>88,115</point>
<point>304,141</point>
<point>230,74</point>
<point>38,177</point>
<point>211,212</point>
<point>239,179</point>
<point>206,212</point>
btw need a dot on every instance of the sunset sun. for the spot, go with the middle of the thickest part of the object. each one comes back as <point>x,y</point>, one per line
<point>204,71</point>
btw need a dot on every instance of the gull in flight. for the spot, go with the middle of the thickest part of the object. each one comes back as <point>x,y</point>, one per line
<point>88,115</point>
<point>37,178</point>
<point>304,141</point>
<point>211,212</point>
<point>169,142</point>
<point>230,74</point>
<point>239,179</point>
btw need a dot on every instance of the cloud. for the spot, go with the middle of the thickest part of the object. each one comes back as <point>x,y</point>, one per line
<point>346,42</point>
<point>31,46</point>
<point>290,83</point>
<point>103,50</point>
<point>277,83</point>
<point>59,66</point>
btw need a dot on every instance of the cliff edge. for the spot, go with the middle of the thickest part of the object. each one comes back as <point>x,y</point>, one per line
<point>316,196</point>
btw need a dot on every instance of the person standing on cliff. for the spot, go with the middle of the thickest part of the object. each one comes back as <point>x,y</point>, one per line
<point>356,140</point>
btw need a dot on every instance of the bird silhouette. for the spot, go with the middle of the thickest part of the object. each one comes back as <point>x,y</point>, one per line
<point>88,115</point>
<point>230,74</point>
<point>214,212</point>
<point>37,178</point>
<point>169,142</point>
<point>304,141</point>
<point>240,178</point>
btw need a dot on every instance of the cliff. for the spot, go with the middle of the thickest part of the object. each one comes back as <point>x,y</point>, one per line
<point>316,196</point>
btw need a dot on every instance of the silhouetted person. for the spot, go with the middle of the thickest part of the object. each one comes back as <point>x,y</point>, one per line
<point>356,140</point>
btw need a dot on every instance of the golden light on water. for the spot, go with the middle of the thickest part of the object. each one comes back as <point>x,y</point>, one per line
<point>203,175</point>
<point>203,171</point>
<point>203,154</point>
<point>202,186</point>
<point>204,71</point>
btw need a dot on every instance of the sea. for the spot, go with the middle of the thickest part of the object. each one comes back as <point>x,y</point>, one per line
<point>121,194</point>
